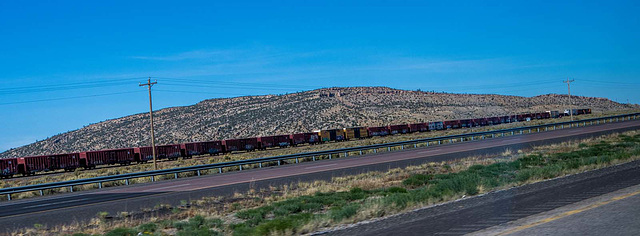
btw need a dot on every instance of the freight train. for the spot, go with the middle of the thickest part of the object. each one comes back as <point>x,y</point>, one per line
<point>125,156</point>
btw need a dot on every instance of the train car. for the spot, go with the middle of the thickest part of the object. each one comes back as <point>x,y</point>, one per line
<point>419,127</point>
<point>202,148</point>
<point>303,138</point>
<point>245,144</point>
<point>480,122</point>
<point>583,111</point>
<point>331,135</point>
<point>438,125</point>
<point>378,131</point>
<point>398,129</point>
<point>33,164</point>
<point>282,140</point>
<point>451,124</point>
<point>466,123</point>
<point>92,159</point>
<point>493,120</point>
<point>8,167</point>
<point>553,114</point>
<point>170,151</point>
<point>265,142</point>
<point>356,133</point>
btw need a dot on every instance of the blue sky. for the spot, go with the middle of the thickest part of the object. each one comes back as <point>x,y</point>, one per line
<point>66,64</point>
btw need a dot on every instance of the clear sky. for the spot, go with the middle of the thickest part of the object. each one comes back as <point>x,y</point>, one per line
<point>66,64</point>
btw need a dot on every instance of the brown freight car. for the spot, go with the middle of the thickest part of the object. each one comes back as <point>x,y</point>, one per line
<point>92,159</point>
<point>8,167</point>
<point>246,144</point>
<point>303,138</point>
<point>31,165</point>
<point>202,148</point>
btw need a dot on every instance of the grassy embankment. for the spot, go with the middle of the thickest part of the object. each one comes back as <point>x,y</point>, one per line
<point>306,207</point>
<point>81,174</point>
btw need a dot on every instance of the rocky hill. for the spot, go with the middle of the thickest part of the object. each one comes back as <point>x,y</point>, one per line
<point>299,112</point>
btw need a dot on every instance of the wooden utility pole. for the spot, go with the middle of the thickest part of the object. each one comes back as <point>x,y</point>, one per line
<point>570,105</point>
<point>153,142</point>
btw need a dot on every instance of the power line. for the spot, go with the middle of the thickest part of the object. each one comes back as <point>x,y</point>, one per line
<point>67,98</point>
<point>59,87</point>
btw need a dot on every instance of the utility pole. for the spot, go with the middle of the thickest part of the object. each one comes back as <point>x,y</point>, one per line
<point>569,88</point>
<point>153,142</point>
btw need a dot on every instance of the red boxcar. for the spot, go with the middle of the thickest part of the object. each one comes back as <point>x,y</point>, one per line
<point>451,124</point>
<point>107,157</point>
<point>8,167</point>
<point>304,138</point>
<point>282,140</point>
<point>31,165</point>
<point>202,148</point>
<point>171,152</point>
<point>479,122</point>
<point>378,131</point>
<point>266,142</point>
<point>246,144</point>
<point>493,120</point>
<point>466,123</point>
<point>419,127</point>
<point>439,125</point>
<point>398,129</point>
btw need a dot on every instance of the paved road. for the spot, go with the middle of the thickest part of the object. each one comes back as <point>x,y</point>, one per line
<point>81,206</point>
<point>615,213</point>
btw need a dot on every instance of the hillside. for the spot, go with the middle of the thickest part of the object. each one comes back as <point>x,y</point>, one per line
<point>299,112</point>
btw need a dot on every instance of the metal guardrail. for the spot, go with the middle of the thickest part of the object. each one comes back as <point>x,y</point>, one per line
<point>329,153</point>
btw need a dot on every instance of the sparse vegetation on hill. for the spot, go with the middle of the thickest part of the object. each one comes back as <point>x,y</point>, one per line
<point>251,116</point>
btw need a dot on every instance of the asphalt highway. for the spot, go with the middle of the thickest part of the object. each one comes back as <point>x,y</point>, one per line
<point>82,206</point>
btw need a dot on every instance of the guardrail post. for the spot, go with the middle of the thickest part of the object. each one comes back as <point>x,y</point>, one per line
<point>538,130</point>
<point>9,197</point>
<point>439,142</point>
<point>617,119</point>
<point>521,131</point>
<point>461,139</point>
<point>175,175</point>
<point>220,170</point>
<point>529,130</point>
<point>427,144</point>
<point>562,127</point>
<point>314,157</point>
<point>199,170</point>
<point>471,138</point>
<point>241,165</point>
<point>345,154</point>
<point>152,179</point>
<point>360,152</point>
<point>126,181</point>
<point>41,193</point>
<point>493,135</point>
<point>99,185</point>
<point>511,132</point>
<point>402,147</point>
<point>71,188</point>
<point>297,160</point>
<point>375,150</point>
<point>278,162</point>
<point>415,145</point>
